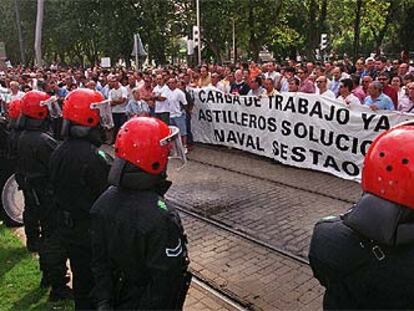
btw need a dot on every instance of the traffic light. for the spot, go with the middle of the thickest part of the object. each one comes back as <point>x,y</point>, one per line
<point>324,41</point>
<point>196,36</point>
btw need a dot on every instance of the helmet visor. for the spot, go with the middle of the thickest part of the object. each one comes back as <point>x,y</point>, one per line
<point>53,107</point>
<point>177,150</point>
<point>105,113</point>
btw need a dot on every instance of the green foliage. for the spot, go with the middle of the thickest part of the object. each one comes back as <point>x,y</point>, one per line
<point>79,31</point>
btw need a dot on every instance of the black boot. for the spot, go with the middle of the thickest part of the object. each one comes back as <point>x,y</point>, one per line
<point>33,244</point>
<point>61,293</point>
<point>44,282</point>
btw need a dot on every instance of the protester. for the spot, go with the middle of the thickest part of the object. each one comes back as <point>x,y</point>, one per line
<point>136,107</point>
<point>15,91</point>
<point>293,84</point>
<point>335,82</point>
<point>205,78</point>
<point>398,85</point>
<point>269,87</point>
<point>345,91</point>
<point>307,84</point>
<point>406,104</point>
<point>322,87</point>
<point>239,86</point>
<point>146,93</point>
<point>177,102</point>
<point>387,89</point>
<point>160,92</point>
<point>377,100</point>
<point>256,88</point>
<point>117,95</point>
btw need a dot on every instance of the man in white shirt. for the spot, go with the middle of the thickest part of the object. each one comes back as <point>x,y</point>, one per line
<point>345,91</point>
<point>118,95</point>
<point>15,90</point>
<point>272,74</point>
<point>160,92</point>
<point>177,102</point>
<point>406,104</point>
<point>322,87</point>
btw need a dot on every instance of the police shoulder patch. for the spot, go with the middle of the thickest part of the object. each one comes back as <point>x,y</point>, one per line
<point>161,204</point>
<point>102,154</point>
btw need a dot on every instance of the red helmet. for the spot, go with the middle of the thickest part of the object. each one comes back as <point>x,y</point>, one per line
<point>389,166</point>
<point>77,107</point>
<point>145,143</point>
<point>31,105</point>
<point>14,109</point>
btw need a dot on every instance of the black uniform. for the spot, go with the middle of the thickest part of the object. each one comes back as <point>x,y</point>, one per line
<point>365,258</point>
<point>139,246</point>
<point>79,173</point>
<point>34,149</point>
<point>7,160</point>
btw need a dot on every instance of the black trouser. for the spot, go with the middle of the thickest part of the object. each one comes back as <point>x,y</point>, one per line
<point>31,218</point>
<point>74,236</point>
<point>52,255</point>
<point>119,120</point>
<point>188,123</point>
<point>163,116</point>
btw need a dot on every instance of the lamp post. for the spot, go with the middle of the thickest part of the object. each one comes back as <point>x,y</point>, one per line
<point>234,42</point>
<point>38,34</point>
<point>199,31</point>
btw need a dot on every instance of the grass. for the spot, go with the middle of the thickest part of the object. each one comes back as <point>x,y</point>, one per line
<point>20,278</point>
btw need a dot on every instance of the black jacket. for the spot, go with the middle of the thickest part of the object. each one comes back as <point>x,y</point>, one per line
<point>34,148</point>
<point>241,88</point>
<point>139,246</point>
<point>78,173</point>
<point>4,139</point>
<point>365,258</point>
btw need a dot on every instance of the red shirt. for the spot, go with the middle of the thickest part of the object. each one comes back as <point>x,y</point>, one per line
<point>392,93</point>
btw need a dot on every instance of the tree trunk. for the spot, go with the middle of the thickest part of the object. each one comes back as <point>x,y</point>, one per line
<point>357,30</point>
<point>322,18</point>
<point>312,32</point>
<point>379,37</point>
<point>253,44</point>
<point>38,34</point>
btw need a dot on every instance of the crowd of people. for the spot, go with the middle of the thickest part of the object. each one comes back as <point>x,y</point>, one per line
<point>380,83</point>
<point>126,247</point>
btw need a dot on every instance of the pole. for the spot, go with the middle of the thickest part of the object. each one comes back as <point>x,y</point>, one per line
<point>199,31</point>
<point>136,52</point>
<point>234,42</point>
<point>38,34</point>
<point>19,32</point>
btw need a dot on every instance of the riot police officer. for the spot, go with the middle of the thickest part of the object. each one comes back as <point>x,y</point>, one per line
<point>79,173</point>
<point>9,133</point>
<point>364,258</point>
<point>139,246</point>
<point>34,148</point>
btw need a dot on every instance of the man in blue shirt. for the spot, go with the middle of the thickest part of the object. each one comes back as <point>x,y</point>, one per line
<point>377,100</point>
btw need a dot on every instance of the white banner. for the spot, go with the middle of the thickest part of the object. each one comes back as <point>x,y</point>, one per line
<point>303,130</point>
